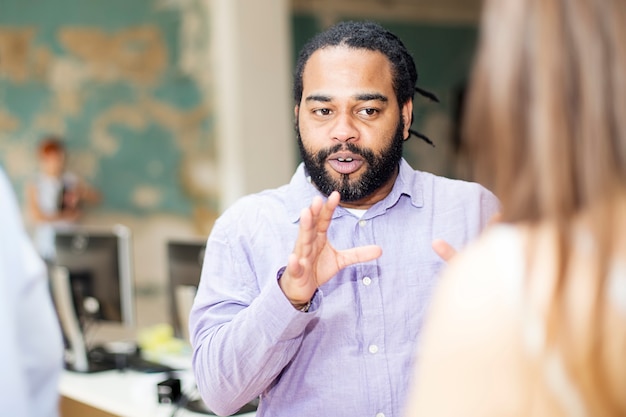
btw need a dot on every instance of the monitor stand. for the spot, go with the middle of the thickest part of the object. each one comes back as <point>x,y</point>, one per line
<point>77,357</point>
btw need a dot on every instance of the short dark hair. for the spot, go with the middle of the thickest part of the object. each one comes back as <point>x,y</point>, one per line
<point>51,145</point>
<point>373,37</point>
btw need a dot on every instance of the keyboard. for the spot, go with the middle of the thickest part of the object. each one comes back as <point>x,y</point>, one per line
<point>100,359</point>
<point>139,364</point>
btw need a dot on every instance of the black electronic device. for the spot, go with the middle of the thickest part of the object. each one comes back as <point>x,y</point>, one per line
<point>198,406</point>
<point>195,404</point>
<point>168,391</point>
<point>101,358</point>
<point>184,260</point>
<point>91,281</point>
<point>100,271</point>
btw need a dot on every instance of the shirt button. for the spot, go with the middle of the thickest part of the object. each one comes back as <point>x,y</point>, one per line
<point>380,415</point>
<point>373,348</point>
<point>367,281</point>
<point>362,223</point>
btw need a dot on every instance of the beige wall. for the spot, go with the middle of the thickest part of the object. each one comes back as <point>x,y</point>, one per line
<point>252,61</point>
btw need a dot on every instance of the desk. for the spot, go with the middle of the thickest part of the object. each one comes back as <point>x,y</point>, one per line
<point>126,393</point>
<point>118,394</point>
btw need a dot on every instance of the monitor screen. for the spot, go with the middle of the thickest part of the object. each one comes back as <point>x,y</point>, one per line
<point>184,259</point>
<point>100,272</point>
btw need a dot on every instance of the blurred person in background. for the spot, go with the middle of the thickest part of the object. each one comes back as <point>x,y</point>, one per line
<point>56,197</point>
<point>530,320</point>
<point>31,346</point>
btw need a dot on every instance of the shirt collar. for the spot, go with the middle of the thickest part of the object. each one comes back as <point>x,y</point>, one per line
<point>408,184</point>
<point>302,192</point>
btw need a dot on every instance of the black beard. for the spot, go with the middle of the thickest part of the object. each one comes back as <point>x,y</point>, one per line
<point>380,168</point>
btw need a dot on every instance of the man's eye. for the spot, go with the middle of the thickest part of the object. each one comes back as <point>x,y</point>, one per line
<point>369,112</point>
<point>322,112</point>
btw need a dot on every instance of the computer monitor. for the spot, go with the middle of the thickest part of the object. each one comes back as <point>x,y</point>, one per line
<point>184,259</point>
<point>99,263</point>
<point>91,281</point>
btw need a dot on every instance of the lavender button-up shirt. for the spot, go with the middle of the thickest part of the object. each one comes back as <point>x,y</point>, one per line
<point>352,353</point>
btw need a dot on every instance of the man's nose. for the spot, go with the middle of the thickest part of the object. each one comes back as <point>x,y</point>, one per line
<point>344,128</point>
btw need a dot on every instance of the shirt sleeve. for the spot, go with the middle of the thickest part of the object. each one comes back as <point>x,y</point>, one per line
<point>243,336</point>
<point>31,339</point>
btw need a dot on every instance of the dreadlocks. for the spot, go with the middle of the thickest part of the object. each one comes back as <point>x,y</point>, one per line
<point>371,36</point>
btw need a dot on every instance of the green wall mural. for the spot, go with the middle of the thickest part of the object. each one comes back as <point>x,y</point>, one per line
<point>106,76</point>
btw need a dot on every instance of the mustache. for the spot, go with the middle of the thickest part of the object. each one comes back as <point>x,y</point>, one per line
<point>323,154</point>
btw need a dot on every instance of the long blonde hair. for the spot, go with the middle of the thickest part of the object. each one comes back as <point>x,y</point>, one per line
<point>546,127</point>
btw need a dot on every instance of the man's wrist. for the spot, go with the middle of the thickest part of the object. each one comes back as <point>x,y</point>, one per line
<point>302,307</point>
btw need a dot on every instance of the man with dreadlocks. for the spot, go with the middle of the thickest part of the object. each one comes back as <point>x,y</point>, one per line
<point>312,295</point>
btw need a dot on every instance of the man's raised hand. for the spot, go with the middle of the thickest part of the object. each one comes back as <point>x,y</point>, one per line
<point>314,260</point>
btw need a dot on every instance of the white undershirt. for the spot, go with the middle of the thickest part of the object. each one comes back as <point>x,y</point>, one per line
<point>357,212</point>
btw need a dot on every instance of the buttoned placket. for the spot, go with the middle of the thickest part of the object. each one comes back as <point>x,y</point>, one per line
<point>372,312</point>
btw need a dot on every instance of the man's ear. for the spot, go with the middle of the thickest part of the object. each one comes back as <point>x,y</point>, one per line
<point>407,118</point>
<point>296,109</point>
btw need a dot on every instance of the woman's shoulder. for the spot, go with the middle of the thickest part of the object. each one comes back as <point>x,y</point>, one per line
<point>473,333</point>
<point>483,284</point>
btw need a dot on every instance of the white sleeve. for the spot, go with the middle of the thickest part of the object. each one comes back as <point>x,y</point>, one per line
<point>31,345</point>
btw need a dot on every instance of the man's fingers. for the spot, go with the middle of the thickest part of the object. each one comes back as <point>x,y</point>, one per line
<point>495,219</point>
<point>357,255</point>
<point>293,266</point>
<point>306,222</point>
<point>315,220</point>
<point>446,251</point>
<point>443,249</point>
<point>327,211</point>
